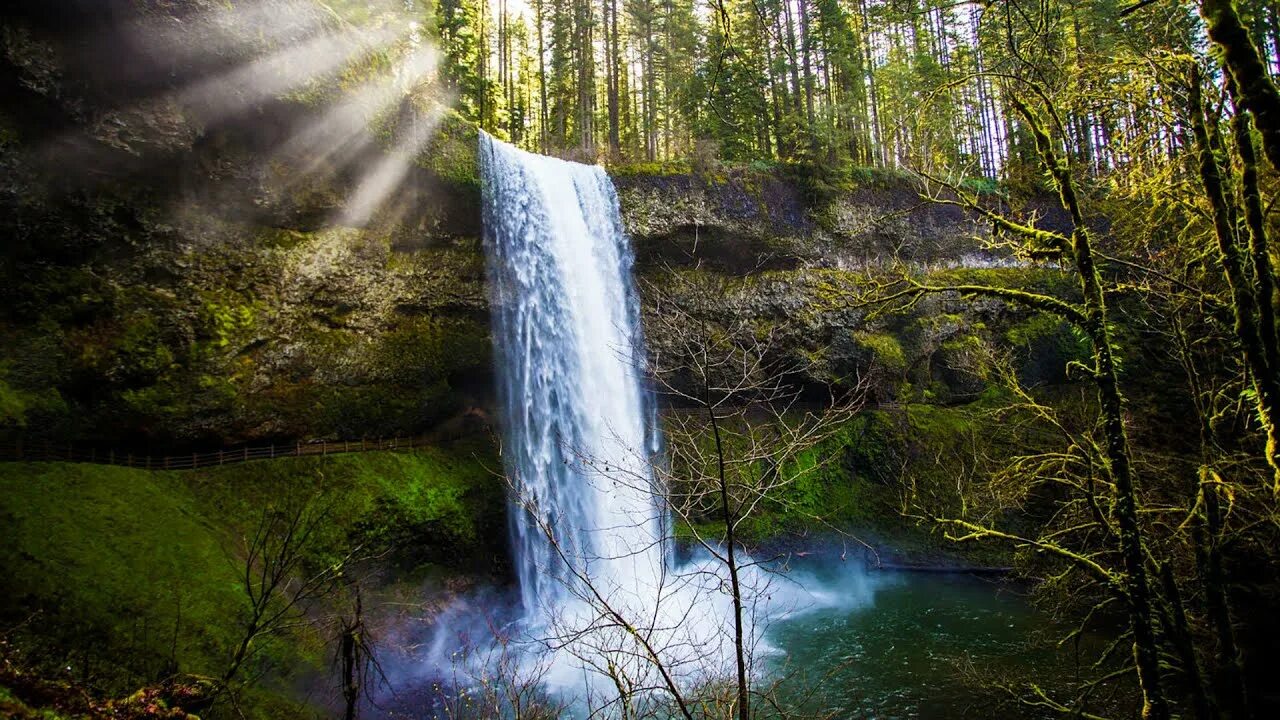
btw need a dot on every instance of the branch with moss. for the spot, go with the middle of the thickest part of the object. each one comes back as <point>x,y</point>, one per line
<point>1244,302</point>
<point>1032,300</point>
<point>1241,58</point>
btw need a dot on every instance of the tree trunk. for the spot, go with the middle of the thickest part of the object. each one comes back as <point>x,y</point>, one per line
<point>806,39</point>
<point>1244,303</point>
<point>735,583</point>
<point>1145,647</point>
<point>1240,57</point>
<point>612,66</point>
<point>542,77</point>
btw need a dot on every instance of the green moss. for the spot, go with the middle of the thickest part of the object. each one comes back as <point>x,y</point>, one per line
<point>964,343</point>
<point>434,500</point>
<point>1028,278</point>
<point>116,559</point>
<point>451,154</point>
<point>651,169</point>
<point>282,238</point>
<point>1048,338</point>
<point>132,574</point>
<point>885,350</point>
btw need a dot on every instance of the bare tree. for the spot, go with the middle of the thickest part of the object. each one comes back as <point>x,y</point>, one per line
<point>742,393</point>
<point>277,580</point>
<point>738,437</point>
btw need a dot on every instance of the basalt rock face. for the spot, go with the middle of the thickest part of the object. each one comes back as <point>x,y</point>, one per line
<point>810,323</point>
<point>176,277</point>
<point>742,222</point>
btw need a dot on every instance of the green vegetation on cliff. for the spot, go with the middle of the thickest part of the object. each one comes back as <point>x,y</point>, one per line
<point>124,577</point>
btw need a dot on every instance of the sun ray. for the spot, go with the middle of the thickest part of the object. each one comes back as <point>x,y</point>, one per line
<point>225,32</point>
<point>380,182</point>
<point>342,132</point>
<point>278,73</point>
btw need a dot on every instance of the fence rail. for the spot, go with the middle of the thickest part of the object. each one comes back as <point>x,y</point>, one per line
<point>53,452</point>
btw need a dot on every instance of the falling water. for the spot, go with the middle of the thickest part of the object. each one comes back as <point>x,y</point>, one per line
<point>578,436</point>
<point>605,611</point>
<point>588,525</point>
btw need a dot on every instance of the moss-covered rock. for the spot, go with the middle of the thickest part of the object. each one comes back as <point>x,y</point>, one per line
<point>815,323</point>
<point>179,276</point>
<point>743,220</point>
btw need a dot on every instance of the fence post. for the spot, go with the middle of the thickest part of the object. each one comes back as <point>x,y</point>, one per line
<point>194,462</point>
<point>324,447</point>
<point>220,458</point>
<point>246,453</point>
<point>298,448</point>
<point>273,451</point>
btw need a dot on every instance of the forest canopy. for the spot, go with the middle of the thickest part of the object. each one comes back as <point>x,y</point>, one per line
<point>879,83</point>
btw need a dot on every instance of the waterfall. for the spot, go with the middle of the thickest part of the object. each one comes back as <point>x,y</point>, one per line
<point>588,526</point>
<point>578,435</point>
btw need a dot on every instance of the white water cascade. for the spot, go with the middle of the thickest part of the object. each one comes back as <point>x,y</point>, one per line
<point>589,531</point>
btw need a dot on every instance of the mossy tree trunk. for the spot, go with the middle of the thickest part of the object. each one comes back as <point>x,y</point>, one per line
<point>1137,585</point>
<point>1206,542</point>
<point>1251,298</point>
<point>1132,583</point>
<point>1241,59</point>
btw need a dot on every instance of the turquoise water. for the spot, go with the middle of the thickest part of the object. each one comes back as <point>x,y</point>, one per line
<point>900,646</point>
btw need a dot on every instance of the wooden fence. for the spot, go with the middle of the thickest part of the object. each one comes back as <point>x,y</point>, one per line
<point>52,452</point>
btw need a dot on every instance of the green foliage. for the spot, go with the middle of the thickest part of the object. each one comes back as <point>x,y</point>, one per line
<point>885,350</point>
<point>1033,330</point>
<point>134,574</point>
<point>879,178</point>
<point>981,185</point>
<point>650,169</point>
<point>117,564</point>
<point>451,153</point>
<point>431,499</point>
<point>13,406</point>
<point>17,403</point>
<point>221,321</point>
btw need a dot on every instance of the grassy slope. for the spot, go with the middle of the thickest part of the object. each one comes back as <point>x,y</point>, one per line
<point>115,559</point>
